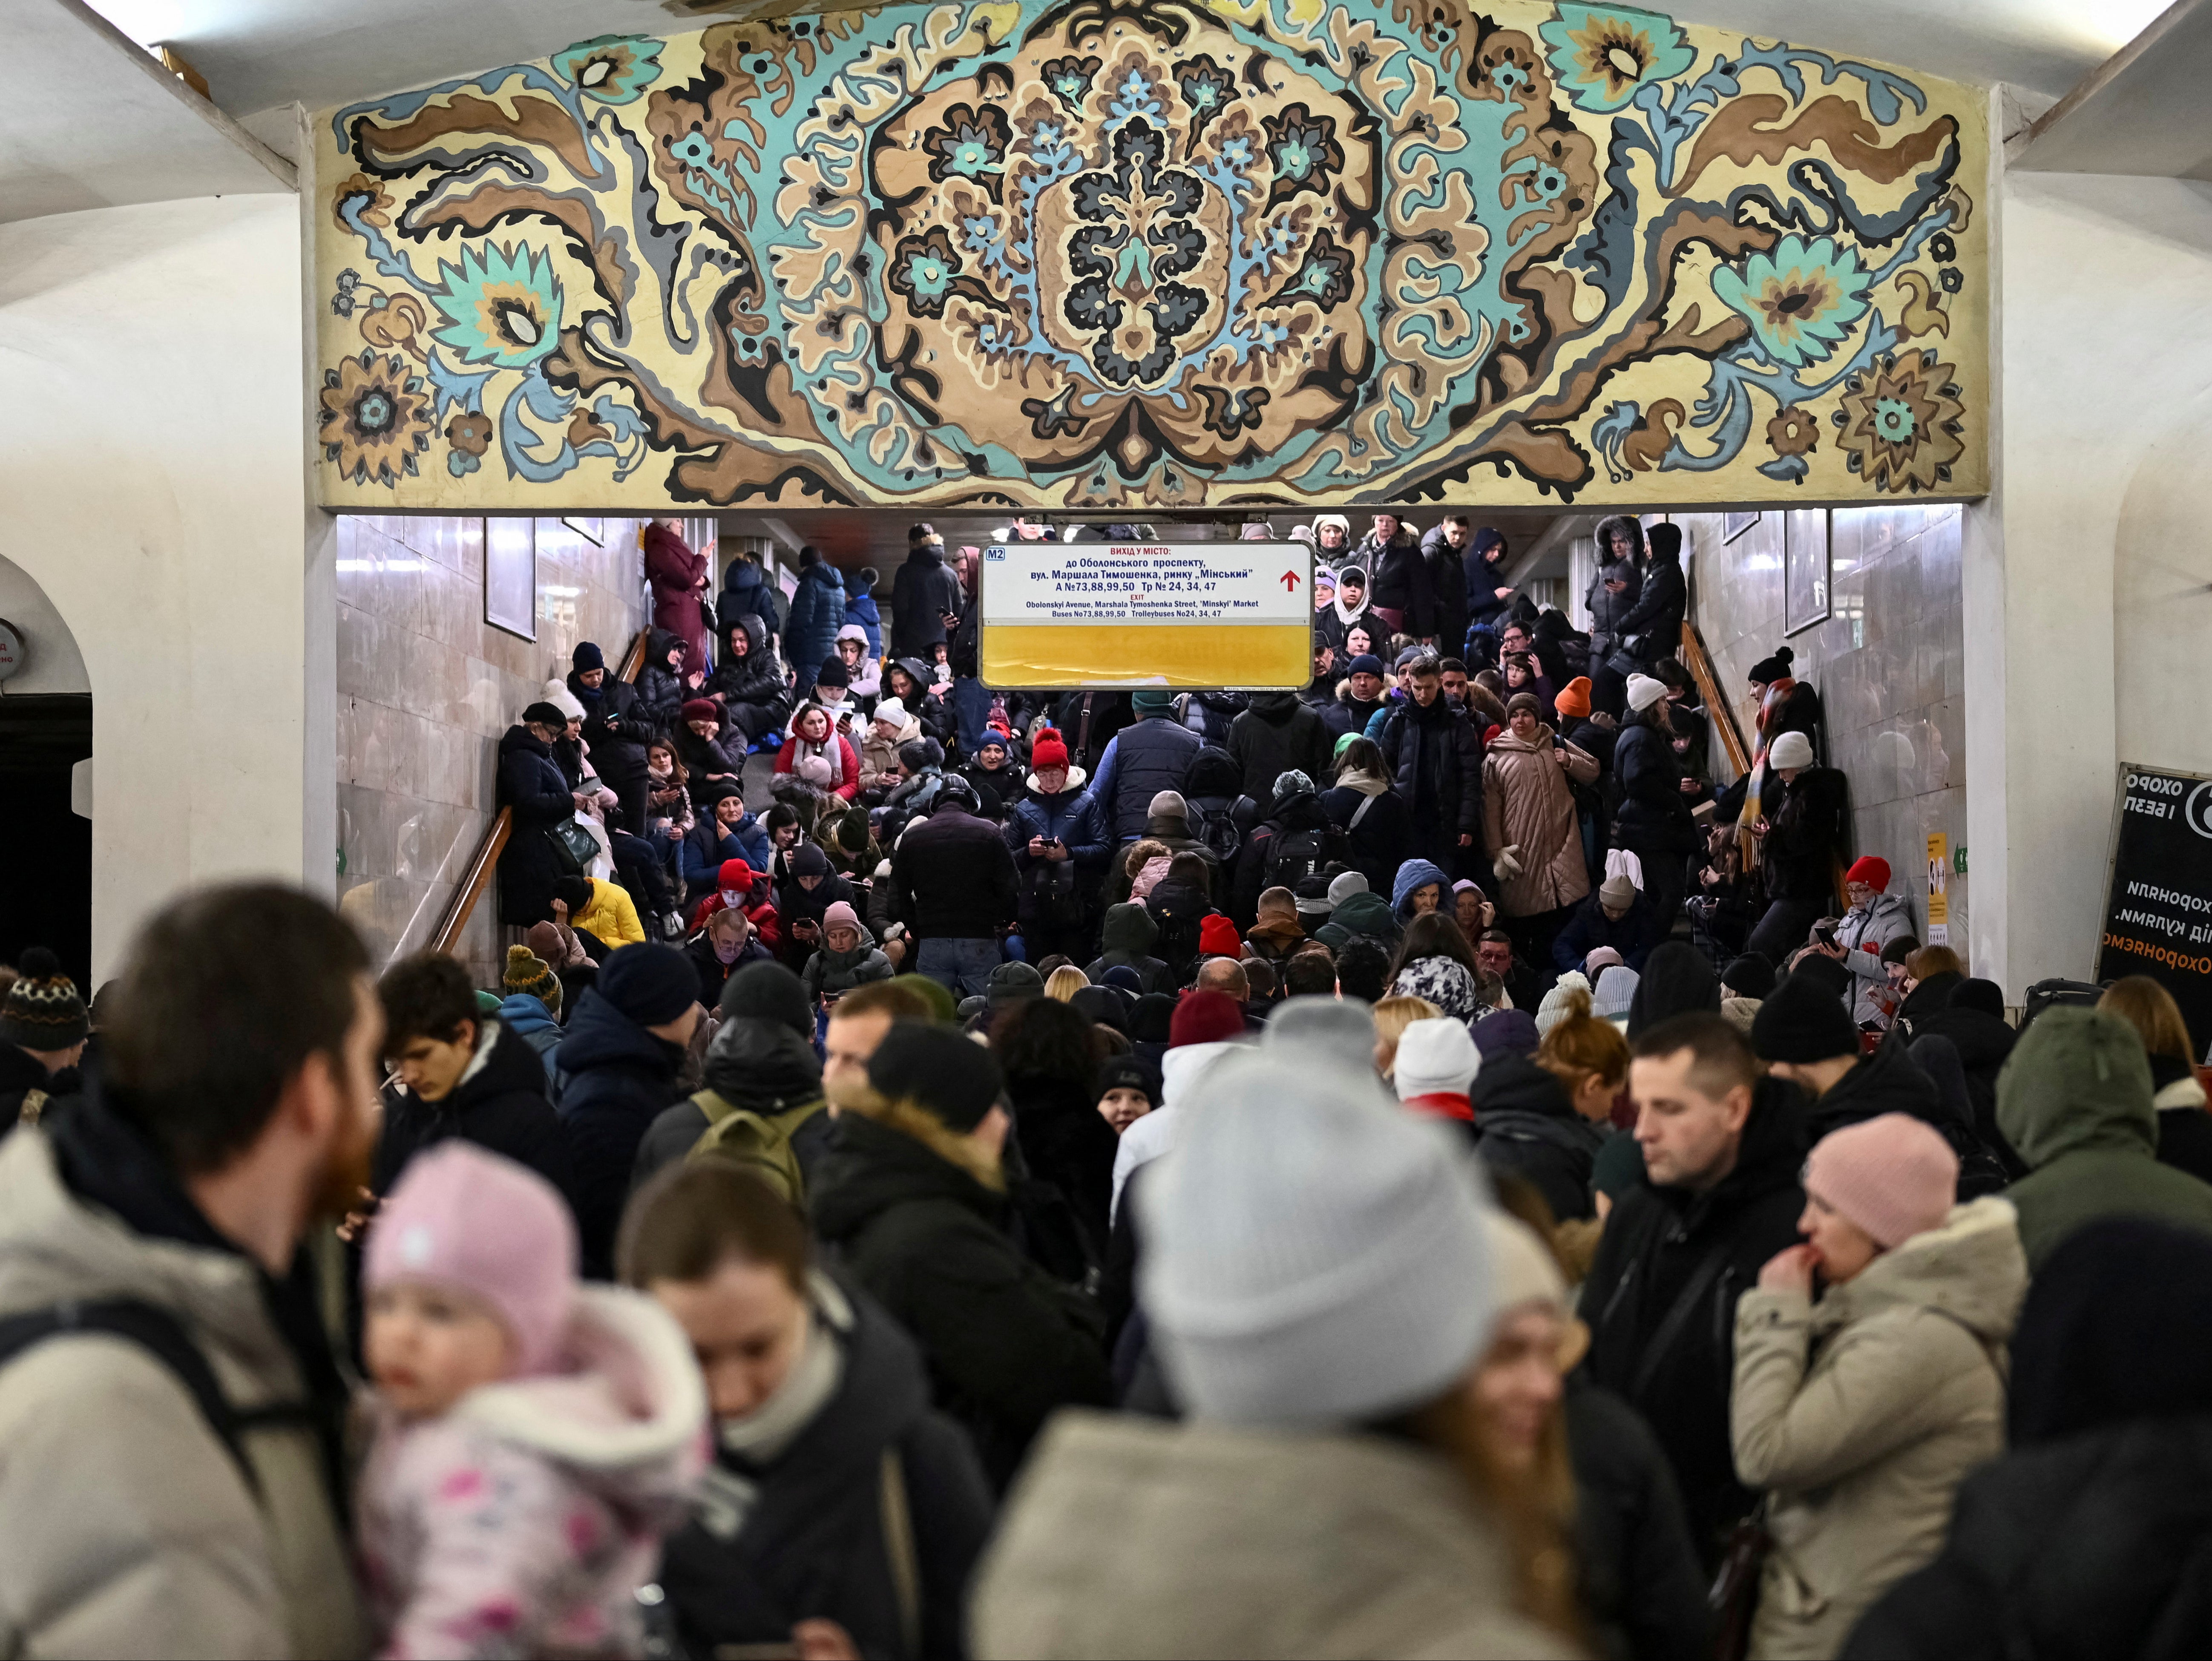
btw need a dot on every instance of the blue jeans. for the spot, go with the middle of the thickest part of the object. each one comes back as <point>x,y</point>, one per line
<point>961,967</point>
<point>971,708</point>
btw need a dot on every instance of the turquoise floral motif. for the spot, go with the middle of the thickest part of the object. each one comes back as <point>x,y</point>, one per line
<point>1603,54</point>
<point>502,306</point>
<point>1801,298</point>
<point>615,69</point>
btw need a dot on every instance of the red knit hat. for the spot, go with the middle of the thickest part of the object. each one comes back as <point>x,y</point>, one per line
<point>735,875</point>
<point>702,710</point>
<point>1873,872</point>
<point>1205,1018</point>
<point>1218,938</point>
<point>1047,750</point>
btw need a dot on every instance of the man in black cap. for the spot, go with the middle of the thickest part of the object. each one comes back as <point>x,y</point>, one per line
<point>1803,1033</point>
<point>954,885</point>
<point>912,1198</point>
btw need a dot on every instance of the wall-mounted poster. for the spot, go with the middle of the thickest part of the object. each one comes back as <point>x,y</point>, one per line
<point>510,575</point>
<point>1734,525</point>
<point>1804,568</point>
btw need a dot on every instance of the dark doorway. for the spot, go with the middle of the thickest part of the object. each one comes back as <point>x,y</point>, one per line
<point>46,898</point>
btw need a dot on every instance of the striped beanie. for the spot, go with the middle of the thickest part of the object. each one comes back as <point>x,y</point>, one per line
<point>43,1010</point>
<point>528,972</point>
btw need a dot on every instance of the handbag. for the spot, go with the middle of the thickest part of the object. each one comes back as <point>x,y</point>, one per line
<point>581,846</point>
<point>1734,1599</point>
<point>1624,665</point>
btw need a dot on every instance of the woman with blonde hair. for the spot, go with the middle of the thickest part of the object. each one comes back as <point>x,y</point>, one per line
<point>1064,983</point>
<point>2185,1129</point>
<point>1392,1016</point>
<point>1544,1117</point>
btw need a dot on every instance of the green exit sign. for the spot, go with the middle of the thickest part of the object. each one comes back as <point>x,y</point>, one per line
<point>1958,860</point>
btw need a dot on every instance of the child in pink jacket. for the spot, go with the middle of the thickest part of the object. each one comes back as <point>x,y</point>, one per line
<point>534,1438</point>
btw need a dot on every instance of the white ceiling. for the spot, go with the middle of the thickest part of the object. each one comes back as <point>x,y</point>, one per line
<point>257,54</point>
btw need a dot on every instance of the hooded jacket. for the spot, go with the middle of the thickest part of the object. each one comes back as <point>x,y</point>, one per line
<point>1274,735</point>
<point>754,679</point>
<point>615,1078</point>
<point>1369,916</point>
<point>1863,931</point>
<point>1656,1242</point>
<point>922,590</point>
<point>125,1527</point>
<point>1006,1344</point>
<point>758,1065</point>
<point>1655,620</point>
<point>499,1103</point>
<point>817,612</point>
<point>861,610</point>
<point>1606,608</point>
<point>534,1508</point>
<point>530,783</point>
<point>525,1014</point>
<point>1590,929</point>
<point>1525,1124</point>
<point>791,1526</point>
<point>675,572</point>
<point>1413,876</point>
<point>1128,936</point>
<point>1864,1411</point>
<point>1244,1541</point>
<point>660,689</point>
<point>2075,1102</point>
<point>746,591</point>
<point>1528,804</point>
<point>1887,1082</point>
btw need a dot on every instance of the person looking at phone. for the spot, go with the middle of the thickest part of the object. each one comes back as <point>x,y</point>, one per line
<point>1057,834</point>
<point>1798,846</point>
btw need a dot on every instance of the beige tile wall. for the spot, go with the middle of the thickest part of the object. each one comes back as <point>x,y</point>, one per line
<point>1889,664</point>
<point>426,687</point>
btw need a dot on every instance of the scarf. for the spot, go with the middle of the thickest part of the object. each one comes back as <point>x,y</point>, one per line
<point>770,1428</point>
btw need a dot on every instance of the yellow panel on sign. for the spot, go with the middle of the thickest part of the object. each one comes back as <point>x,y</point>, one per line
<point>1171,655</point>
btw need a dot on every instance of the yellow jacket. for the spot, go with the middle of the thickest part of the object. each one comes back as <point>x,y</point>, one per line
<point>611,917</point>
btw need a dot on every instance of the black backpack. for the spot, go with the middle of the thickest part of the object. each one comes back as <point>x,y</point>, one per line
<point>1179,927</point>
<point>2056,993</point>
<point>1215,826</point>
<point>1294,856</point>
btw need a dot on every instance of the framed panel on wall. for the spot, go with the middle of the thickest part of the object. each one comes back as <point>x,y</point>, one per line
<point>1804,570</point>
<point>1734,525</point>
<point>510,575</point>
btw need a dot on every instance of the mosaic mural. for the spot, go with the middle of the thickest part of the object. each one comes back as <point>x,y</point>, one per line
<point>1138,253</point>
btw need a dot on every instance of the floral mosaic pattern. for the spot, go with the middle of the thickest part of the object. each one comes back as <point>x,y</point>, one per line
<point>1156,252</point>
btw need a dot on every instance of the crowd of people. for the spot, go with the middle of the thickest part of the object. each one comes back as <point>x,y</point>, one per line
<point>1354,1173</point>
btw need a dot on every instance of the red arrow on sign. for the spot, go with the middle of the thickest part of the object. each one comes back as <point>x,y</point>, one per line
<point>1290,582</point>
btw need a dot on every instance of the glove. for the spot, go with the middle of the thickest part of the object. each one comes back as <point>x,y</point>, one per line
<point>1508,862</point>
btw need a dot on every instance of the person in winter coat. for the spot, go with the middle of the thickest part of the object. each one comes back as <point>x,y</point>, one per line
<point>532,1007</point>
<point>2185,1129</point>
<point>841,1506</point>
<point>1652,627</point>
<point>746,591</point>
<point>1358,697</point>
<point>1291,843</point>
<point>890,727</point>
<point>847,958</point>
<point>925,593</point>
<point>1399,593</point>
<point>1127,937</point>
<point>1970,1015</point>
<point>1874,918</point>
<point>909,680</point>
<point>1653,821</point>
<point>626,1042</point>
<point>912,1194</point>
<point>818,753</point>
<point>864,670</point>
<point>1799,849</point>
<point>860,611</point>
<point>1616,917</point>
<point>1861,1412</point>
<point>1269,1509</point>
<point>1717,1198</point>
<point>955,889</point>
<point>713,762</point>
<point>1058,838</point>
<point>1803,1035</point>
<point>531,787</point>
<point>461,1076</point>
<point>1410,895</point>
<point>2088,1536</point>
<point>1436,757</point>
<point>2074,1101</point>
<point>664,684</point>
<point>1049,1053</point>
<point>1530,827</point>
<point>1167,832</point>
<point>1445,548</point>
<point>1784,704</point>
<point>723,832</point>
<point>1615,584</point>
<point>618,726</point>
<point>728,943</point>
<point>747,686</point>
<point>1348,611</point>
<point>1150,755</point>
<point>816,613</point>
<point>534,1439</point>
<point>1544,1117</point>
<point>43,1035</point>
<point>1277,734</point>
<point>1368,809</point>
<point>761,1062</point>
<point>678,578</point>
<point>1489,594</point>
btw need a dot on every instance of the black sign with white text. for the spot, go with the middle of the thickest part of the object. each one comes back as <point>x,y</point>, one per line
<point>2158,918</point>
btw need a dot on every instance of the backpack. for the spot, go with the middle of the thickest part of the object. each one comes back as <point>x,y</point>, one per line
<point>1216,828</point>
<point>2048,995</point>
<point>759,1142</point>
<point>1179,929</point>
<point>1292,856</point>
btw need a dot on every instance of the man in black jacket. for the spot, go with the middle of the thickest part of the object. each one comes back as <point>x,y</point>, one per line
<point>1444,550</point>
<point>913,1199</point>
<point>1436,756</point>
<point>1970,1015</point>
<point>1804,1034</point>
<point>1719,1197</point>
<point>954,884</point>
<point>1278,734</point>
<point>618,726</point>
<point>531,784</point>
<point>463,1075</point>
<point>926,599</point>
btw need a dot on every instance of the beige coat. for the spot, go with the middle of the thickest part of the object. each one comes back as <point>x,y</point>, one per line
<point>125,1528</point>
<point>1863,1412</point>
<point>1129,1537</point>
<point>880,749</point>
<point>1525,804</point>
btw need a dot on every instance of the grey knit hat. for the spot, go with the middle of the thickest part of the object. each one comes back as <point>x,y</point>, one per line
<point>1343,885</point>
<point>1313,1255</point>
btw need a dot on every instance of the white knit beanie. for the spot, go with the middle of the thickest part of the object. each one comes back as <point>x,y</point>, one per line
<point>1554,1009</point>
<point>1435,1058</point>
<point>1791,750</point>
<point>1313,1255</point>
<point>1643,691</point>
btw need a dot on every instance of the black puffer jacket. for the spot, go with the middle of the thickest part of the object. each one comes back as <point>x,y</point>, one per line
<point>617,725</point>
<point>1448,587</point>
<point>1525,1124</point>
<point>1799,857</point>
<point>531,784</point>
<point>1655,1243</point>
<point>923,589</point>
<point>758,1065</point>
<point>1399,580</point>
<point>498,1105</point>
<point>1436,757</point>
<point>1655,620</point>
<point>1299,813</point>
<point>755,677</point>
<point>953,876</point>
<point>616,1079</point>
<point>808,1542</point>
<point>1653,819</point>
<point>1887,1082</point>
<point>1642,1586</point>
<point>1277,734</point>
<point>660,689</point>
<point>1006,1344</point>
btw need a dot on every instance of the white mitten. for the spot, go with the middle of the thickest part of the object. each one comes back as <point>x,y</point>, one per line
<point>1508,862</point>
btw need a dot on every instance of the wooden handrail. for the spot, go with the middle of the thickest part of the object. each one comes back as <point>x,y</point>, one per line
<point>485,859</point>
<point>1699,663</point>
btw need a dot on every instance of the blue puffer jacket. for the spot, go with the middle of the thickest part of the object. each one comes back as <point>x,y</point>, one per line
<point>525,1016</point>
<point>818,611</point>
<point>860,609</point>
<point>1072,817</point>
<point>616,1079</point>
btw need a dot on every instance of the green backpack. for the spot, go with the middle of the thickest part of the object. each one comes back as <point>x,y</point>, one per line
<point>759,1142</point>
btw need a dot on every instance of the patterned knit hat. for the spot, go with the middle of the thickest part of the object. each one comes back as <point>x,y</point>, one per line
<point>528,972</point>
<point>43,1010</point>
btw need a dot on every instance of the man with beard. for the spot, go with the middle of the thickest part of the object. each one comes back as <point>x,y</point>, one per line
<point>162,1360</point>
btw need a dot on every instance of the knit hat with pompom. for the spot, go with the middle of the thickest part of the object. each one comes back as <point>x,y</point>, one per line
<point>43,1010</point>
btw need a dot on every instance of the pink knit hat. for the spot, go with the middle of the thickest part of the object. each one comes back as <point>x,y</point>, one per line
<point>1894,1175</point>
<point>838,914</point>
<point>464,1218</point>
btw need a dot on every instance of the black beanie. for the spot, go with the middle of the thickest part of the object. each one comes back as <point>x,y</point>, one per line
<point>918,755</point>
<point>768,991</point>
<point>1749,977</point>
<point>950,1076</point>
<point>1802,1020</point>
<point>833,673</point>
<point>586,657</point>
<point>542,713</point>
<point>1129,1072</point>
<point>1767,670</point>
<point>650,983</point>
<point>1985,996</point>
<point>808,860</point>
<point>42,1010</point>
